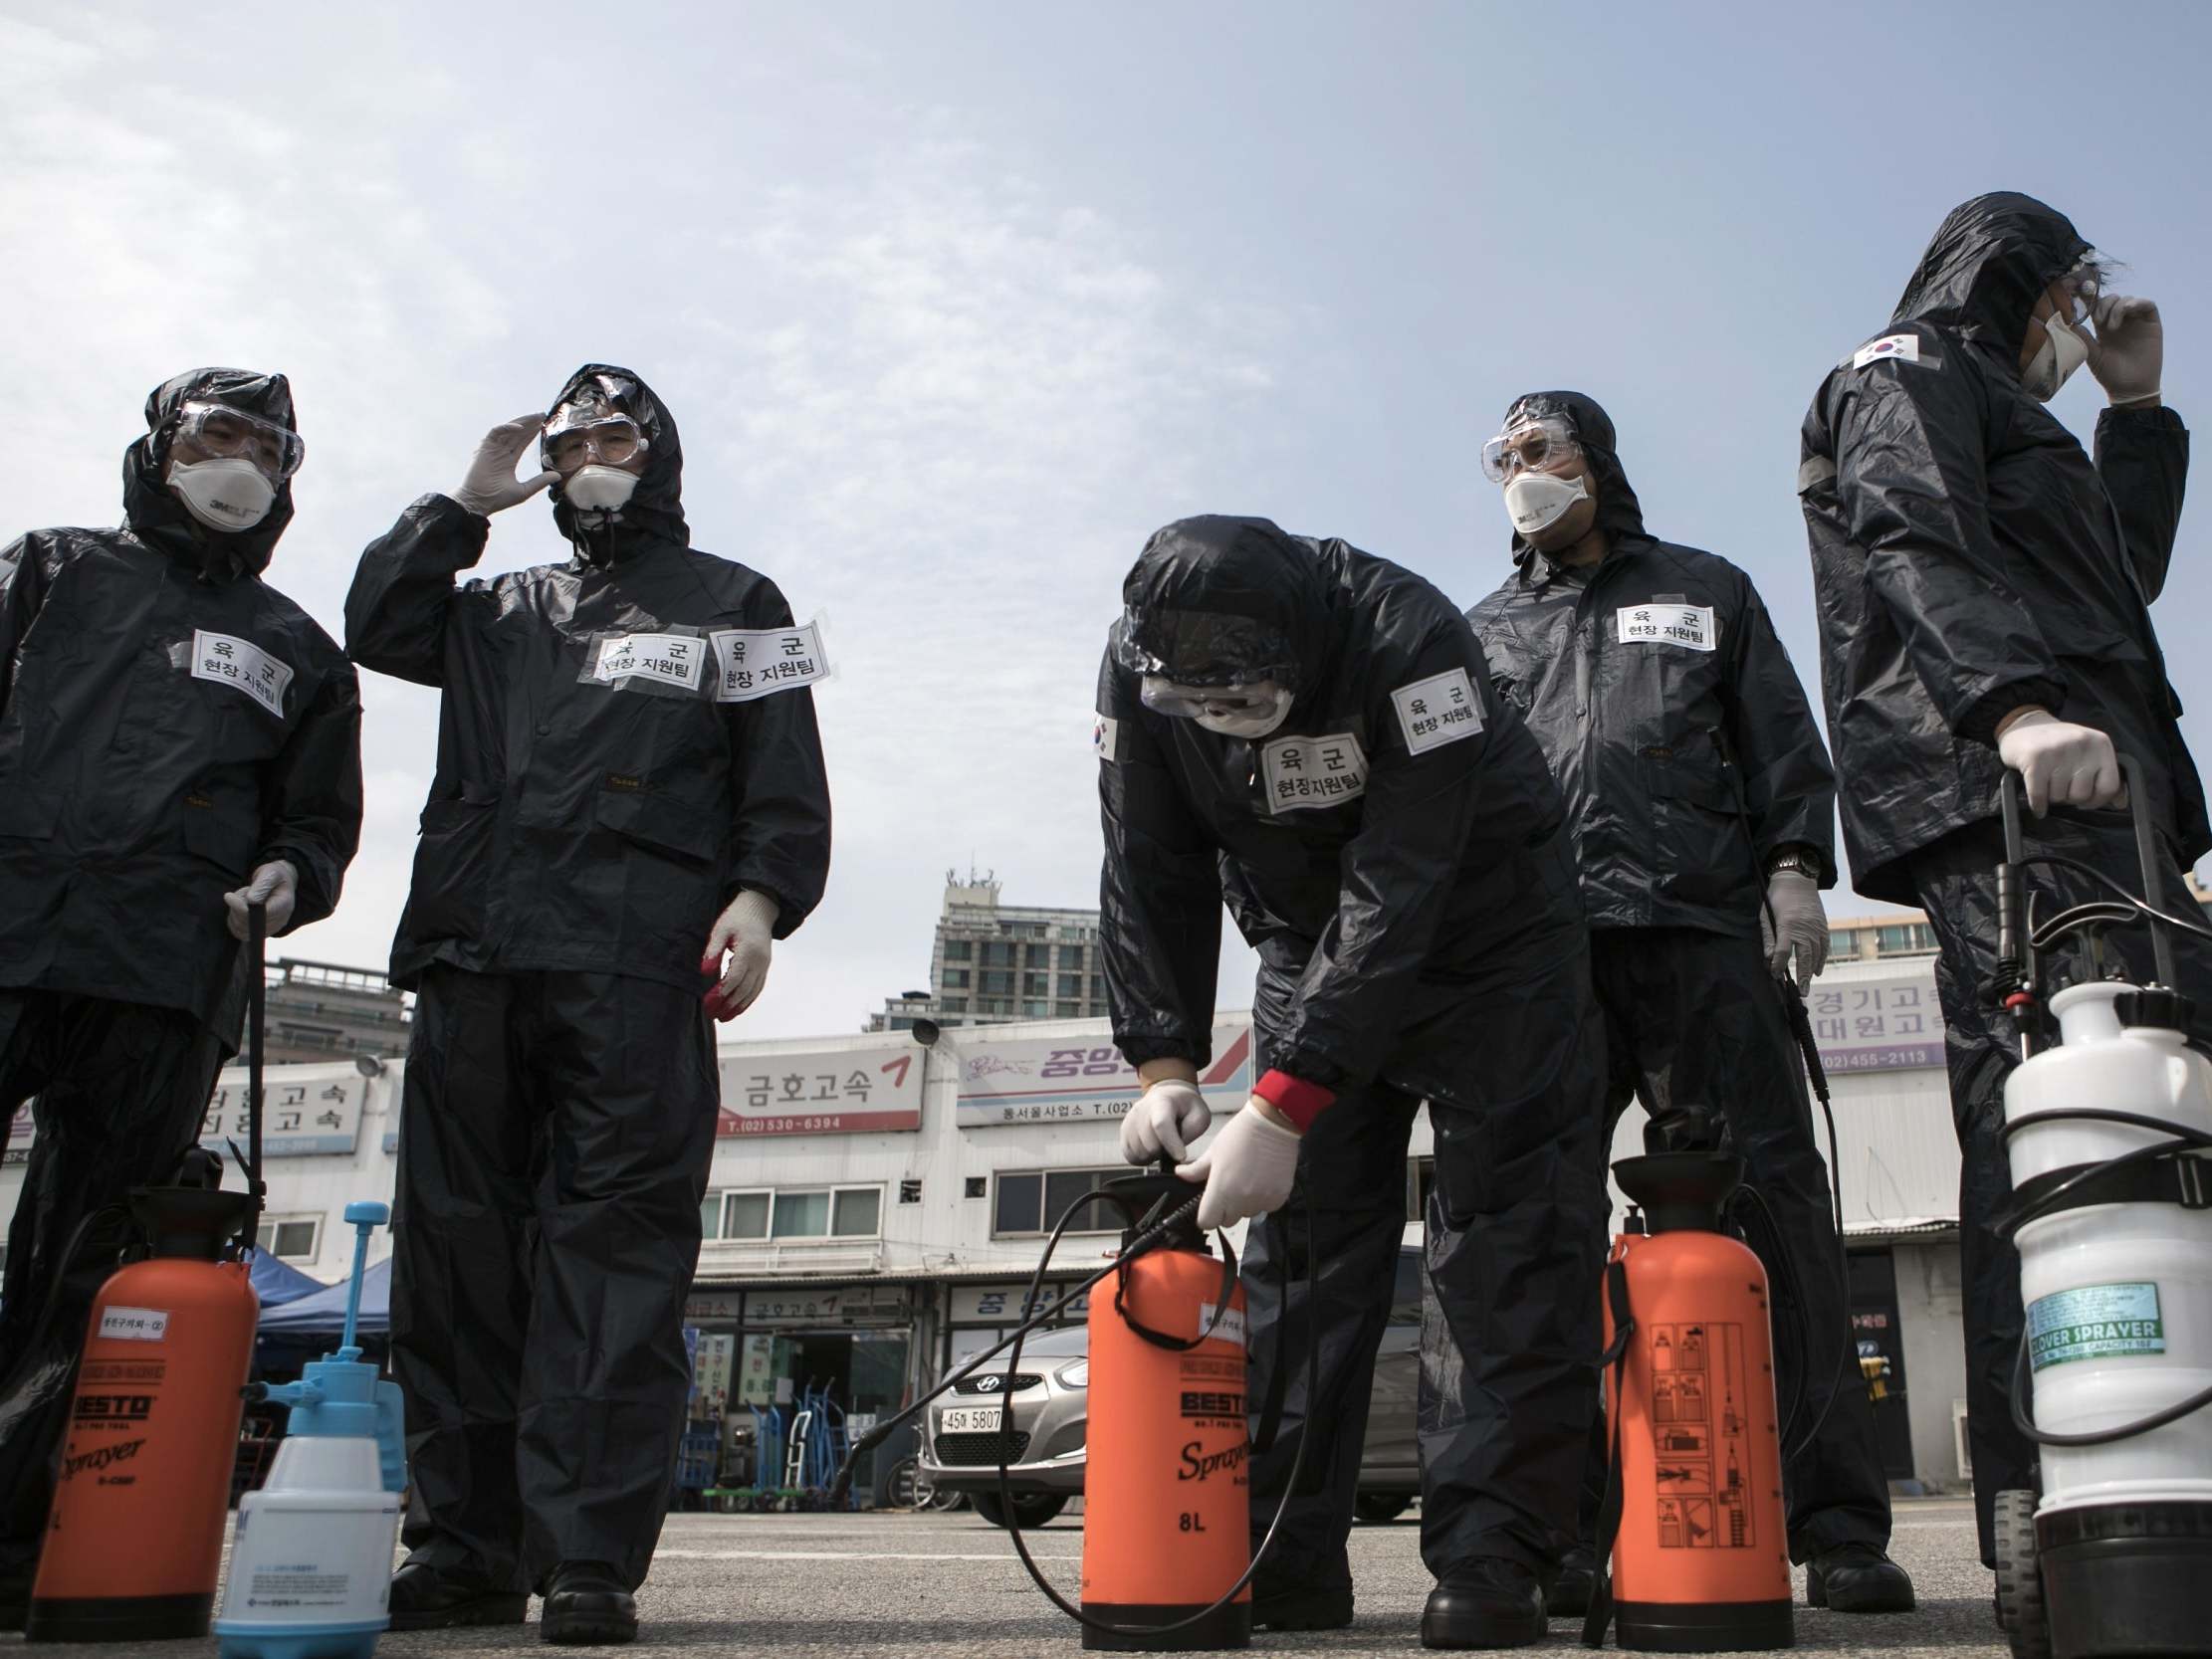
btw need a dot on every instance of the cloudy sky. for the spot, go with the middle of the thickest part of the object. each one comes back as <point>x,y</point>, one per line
<point>956,303</point>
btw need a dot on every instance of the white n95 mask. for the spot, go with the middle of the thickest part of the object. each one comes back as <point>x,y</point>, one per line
<point>231,493</point>
<point>1537,500</point>
<point>597,489</point>
<point>2061,354</point>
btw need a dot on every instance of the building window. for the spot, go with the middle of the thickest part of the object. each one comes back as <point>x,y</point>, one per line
<point>1071,959</point>
<point>993,1005</point>
<point>997,983</point>
<point>1071,984</point>
<point>1035,1010</point>
<point>803,1214</point>
<point>1902,938</point>
<point>289,1238</point>
<point>998,954</point>
<point>1032,1202</point>
<point>955,1006</point>
<point>1067,1010</point>
<point>1036,984</point>
<point>1098,987</point>
<point>956,978</point>
<point>1036,956</point>
<point>957,949</point>
<point>1844,945</point>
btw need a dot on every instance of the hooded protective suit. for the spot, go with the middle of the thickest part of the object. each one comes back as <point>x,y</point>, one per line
<point>1687,755</point>
<point>1969,558</point>
<point>1393,853</point>
<point>169,721</point>
<point>613,766</point>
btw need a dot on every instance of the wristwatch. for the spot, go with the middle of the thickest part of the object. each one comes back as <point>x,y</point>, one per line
<point>1800,862</point>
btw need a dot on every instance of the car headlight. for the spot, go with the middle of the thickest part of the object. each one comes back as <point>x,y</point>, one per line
<point>1077,1375</point>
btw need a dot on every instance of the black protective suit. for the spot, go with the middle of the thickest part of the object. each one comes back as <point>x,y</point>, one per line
<point>1399,868</point>
<point>585,826</point>
<point>140,782</point>
<point>1687,755</point>
<point>1970,559</point>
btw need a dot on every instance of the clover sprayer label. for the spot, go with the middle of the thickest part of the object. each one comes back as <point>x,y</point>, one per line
<point>2095,1322</point>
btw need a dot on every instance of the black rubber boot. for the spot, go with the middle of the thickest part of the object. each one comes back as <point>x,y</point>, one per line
<point>588,1605</point>
<point>1486,1603</point>
<point>1571,1590</point>
<point>424,1600</point>
<point>1857,1579</point>
<point>1300,1605</point>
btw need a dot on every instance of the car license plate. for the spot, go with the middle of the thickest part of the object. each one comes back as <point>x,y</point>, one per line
<point>969,1419</point>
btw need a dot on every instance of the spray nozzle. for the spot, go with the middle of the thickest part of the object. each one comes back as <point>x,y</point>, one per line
<point>364,1216</point>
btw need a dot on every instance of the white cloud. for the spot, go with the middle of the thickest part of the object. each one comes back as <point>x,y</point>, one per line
<point>917,388</point>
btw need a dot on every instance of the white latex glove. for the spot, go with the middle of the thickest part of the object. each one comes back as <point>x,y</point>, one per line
<point>1799,925</point>
<point>1168,1116</point>
<point>276,885</point>
<point>2061,763</point>
<point>747,931</point>
<point>1248,1169</point>
<point>492,486</point>
<point>2129,353</point>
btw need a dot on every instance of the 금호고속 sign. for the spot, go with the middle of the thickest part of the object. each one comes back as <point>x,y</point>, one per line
<point>822,1092</point>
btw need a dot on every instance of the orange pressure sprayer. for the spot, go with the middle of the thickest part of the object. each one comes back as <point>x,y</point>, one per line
<point>1166,1485</point>
<point>136,1536</point>
<point>1693,1501</point>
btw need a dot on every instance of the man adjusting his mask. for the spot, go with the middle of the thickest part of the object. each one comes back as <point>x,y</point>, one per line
<point>1985,589</point>
<point>630,807</point>
<point>1701,802</point>
<point>1308,733</point>
<point>177,738</point>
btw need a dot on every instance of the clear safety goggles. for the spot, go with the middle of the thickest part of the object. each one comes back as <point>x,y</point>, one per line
<point>575,439</point>
<point>1165,696</point>
<point>1538,445</point>
<point>218,430</point>
<point>1202,650</point>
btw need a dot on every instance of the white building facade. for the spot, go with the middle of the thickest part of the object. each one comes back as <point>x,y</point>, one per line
<point>877,1203</point>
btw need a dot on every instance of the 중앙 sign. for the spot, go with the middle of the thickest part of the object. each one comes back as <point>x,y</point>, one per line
<point>1058,1079</point>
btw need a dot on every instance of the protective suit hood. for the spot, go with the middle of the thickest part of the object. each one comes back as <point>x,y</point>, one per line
<point>1620,514</point>
<point>152,509</point>
<point>1987,266</point>
<point>655,512</point>
<point>1237,566</point>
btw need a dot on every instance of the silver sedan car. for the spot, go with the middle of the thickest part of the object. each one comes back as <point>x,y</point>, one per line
<point>1046,1412</point>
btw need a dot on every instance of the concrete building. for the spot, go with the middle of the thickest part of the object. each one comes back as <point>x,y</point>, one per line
<point>877,1201</point>
<point>320,1012</point>
<point>992,962</point>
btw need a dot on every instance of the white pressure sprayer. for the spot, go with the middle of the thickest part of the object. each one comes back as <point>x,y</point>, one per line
<point>311,1561</point>
<point>2109,1133</point>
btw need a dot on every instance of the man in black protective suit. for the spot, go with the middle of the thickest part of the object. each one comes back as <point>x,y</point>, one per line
<point>1702,805</point>
<point>1984,596</point>
<point>176,738</point>
<point>1308,733</point>
<point>628,776</point>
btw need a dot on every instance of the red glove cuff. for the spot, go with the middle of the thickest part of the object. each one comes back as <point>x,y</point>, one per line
<point>1299,1101</point>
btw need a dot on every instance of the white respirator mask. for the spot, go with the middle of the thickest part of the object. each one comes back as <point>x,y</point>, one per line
<point>1535,501</point>
<point>2062,352</point>
<point>597,489</point>
<point>231,493</point>
<point>1248,723</point>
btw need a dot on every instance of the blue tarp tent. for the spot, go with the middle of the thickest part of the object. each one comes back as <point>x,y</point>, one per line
<point>278,1282</point>
<point>321,1316</point>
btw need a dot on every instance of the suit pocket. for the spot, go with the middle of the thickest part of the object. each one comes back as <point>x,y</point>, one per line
<point>453,870</point>
<point>222,841</point>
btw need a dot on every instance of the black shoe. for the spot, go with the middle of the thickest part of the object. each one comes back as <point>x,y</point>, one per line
<point>1571,1590</point>
<point>1857,1579</point>
<point>587,1603</point>
<point>1486,1604</point>
<point>1302,1605</point>
<point>423,1599</point>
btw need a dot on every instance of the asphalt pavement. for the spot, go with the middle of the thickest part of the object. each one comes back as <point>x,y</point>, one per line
<point>840,1586</point>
